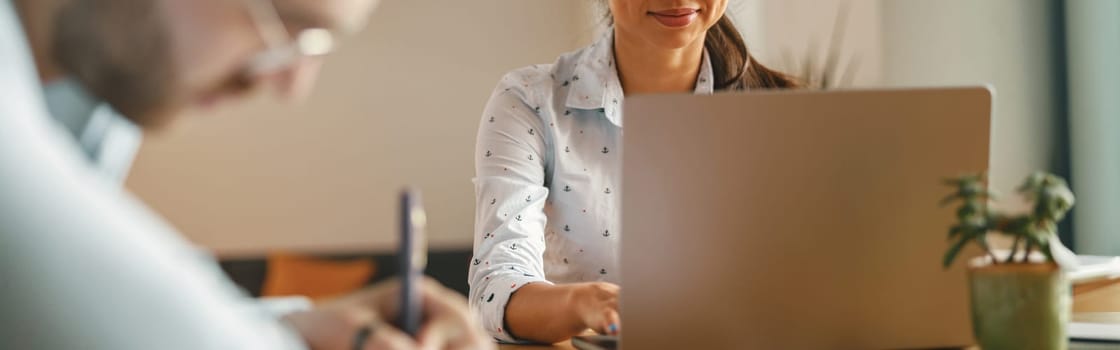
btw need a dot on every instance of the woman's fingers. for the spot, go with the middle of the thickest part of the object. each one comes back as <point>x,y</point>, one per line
<point>606,319</point>
<point>598,305</point>
<point>610,322</point>
<point>614,323</point>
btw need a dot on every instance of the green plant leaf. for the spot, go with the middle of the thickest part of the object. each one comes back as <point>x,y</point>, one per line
<point>970,208</point>
<point>955,231</point>
<point>948,199</point>
<point>953,251</point>
<point>1033,182</point>
<point>1045,248</point>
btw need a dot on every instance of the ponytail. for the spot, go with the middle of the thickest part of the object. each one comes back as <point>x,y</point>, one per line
<point>733,66</point>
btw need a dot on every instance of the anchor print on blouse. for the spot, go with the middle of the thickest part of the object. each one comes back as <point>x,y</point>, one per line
<point>522,273</point>
<point>567,188</point>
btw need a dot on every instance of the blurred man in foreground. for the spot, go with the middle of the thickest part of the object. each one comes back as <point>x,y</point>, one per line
<point>85,265</point>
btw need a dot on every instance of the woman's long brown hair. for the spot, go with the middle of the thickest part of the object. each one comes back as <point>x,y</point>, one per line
<point>732,64</point>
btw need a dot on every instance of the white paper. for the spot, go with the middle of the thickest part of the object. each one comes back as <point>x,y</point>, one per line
<point>1094,331</point>
<point>1095,268</point>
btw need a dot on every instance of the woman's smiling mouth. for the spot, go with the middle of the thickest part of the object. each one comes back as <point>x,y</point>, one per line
<point>675,18</point>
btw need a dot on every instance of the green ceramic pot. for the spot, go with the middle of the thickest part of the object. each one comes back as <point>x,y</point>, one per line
<point>1020,306</point>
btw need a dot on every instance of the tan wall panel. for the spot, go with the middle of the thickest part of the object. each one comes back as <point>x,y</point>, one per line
<point>400,104</point>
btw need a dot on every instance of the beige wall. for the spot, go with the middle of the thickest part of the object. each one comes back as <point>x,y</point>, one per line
<point>785,34</point>
<point>398,105</point>
<point>1010,44</point>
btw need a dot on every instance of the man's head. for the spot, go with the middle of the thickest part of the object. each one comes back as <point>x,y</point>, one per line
<point>151,59</point>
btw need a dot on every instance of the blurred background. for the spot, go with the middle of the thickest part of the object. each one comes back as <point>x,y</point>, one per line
<point>314,185</point>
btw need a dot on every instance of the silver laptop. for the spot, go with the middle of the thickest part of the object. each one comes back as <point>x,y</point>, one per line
<point>796,220</point>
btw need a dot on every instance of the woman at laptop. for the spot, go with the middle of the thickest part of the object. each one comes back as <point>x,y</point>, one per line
<point>548,160</point>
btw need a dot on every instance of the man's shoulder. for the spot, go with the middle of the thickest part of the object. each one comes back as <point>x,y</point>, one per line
<point>20,87</point>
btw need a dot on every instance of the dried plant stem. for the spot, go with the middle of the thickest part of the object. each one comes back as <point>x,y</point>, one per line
<point>1014,250</point>
<point>987,249</point>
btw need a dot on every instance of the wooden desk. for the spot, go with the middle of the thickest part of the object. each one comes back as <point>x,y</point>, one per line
<point>1096,297</point>
<point>567,345</point>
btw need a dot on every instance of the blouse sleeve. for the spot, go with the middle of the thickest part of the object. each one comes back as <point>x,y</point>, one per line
<point>509,244</point>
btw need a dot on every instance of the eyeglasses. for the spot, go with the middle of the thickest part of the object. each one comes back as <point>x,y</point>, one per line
<point>283,50</point>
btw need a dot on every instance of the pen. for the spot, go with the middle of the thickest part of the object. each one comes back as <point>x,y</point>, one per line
<point>411,258</point>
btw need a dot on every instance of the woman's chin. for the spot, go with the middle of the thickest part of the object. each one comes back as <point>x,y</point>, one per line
<point>675,41</point>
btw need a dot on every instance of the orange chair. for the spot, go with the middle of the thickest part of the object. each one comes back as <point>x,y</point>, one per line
<point>293,274</point>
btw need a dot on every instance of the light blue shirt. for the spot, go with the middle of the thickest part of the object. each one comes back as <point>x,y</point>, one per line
<point>547,166</point>
<point>85,265</point>
<point>108,139</point>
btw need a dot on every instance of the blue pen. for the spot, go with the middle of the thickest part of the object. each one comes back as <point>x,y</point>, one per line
<point>412,258</point>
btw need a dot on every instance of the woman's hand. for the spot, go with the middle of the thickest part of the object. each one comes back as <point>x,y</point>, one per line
<point>336,324</point>
<point>596,304</point>
<point>550,313</point>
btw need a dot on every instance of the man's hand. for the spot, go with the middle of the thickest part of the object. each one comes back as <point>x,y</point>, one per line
<point>335,325</point>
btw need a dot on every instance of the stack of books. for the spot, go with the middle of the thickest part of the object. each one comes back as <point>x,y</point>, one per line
<point>1096,303</point>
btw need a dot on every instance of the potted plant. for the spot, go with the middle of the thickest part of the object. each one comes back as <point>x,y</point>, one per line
<point>1020,299</point>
